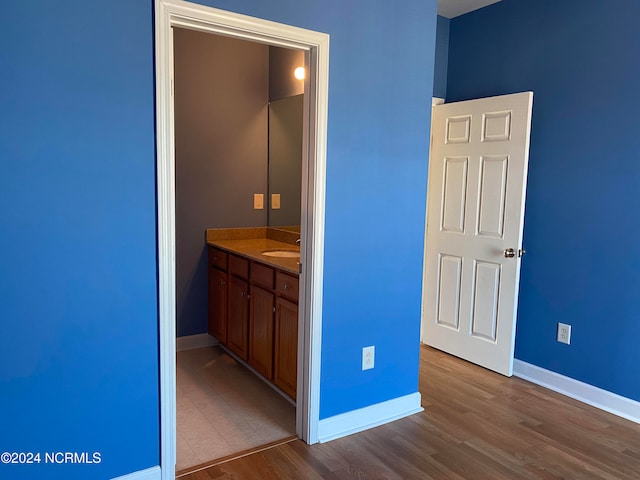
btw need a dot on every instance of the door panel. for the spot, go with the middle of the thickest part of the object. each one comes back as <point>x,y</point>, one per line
<point>493,191</point>
<point>238,320</point>
<point>485,300</point>
<point>261,330</point>
<point>285,369</point>
<point>449,291</point>
<point>477,179</point>
<point>458,129</point>
<point>496,126</point>
<point>454,193</point>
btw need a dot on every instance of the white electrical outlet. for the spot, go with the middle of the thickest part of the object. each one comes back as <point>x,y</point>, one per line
<point>258,201</point>
<point>564,333</point>
<point>368,357</point>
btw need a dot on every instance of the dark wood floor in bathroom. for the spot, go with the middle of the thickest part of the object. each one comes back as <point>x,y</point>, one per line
<point>477,425</point>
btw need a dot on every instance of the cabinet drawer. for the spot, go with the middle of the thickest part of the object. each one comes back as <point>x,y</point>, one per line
<point>239,266</point>
<point>287,286</point>
<point>217,258</point>
<point>262,275</point>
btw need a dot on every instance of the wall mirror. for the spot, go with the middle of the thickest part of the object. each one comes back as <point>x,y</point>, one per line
<point>286,100</point>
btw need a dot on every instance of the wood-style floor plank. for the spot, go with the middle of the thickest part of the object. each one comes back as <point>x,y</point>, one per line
<point>477,425</point>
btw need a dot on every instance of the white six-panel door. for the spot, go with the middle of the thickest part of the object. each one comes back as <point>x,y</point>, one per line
<point>476,193</point>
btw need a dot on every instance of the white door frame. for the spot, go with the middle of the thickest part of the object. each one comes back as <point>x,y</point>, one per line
<point>434,101</point>
<point>178,13</point>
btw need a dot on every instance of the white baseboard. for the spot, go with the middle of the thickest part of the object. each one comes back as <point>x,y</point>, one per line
<point>583,392</point>
<point>152,473</point>
<point>191,342</point>
<point>368,417</point>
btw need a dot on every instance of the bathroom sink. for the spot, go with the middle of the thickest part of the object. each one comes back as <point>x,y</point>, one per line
<point>282,253</point>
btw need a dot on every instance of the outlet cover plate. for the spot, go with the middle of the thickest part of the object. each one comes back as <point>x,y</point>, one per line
<point>564,333</point>
<point>368,357</point>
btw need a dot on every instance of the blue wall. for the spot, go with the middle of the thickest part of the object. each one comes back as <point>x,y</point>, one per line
<point>78,350</point>
<point>441,66</point>
<point>580,58</point>
<point>380,87</point>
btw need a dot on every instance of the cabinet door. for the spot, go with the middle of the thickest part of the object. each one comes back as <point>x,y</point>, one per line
<point>261,331</point>
<point>238,319</point>
<point>286,346</point>
<point>218,304</point>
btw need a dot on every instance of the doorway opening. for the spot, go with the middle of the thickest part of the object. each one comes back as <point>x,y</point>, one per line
<point>175,13</point>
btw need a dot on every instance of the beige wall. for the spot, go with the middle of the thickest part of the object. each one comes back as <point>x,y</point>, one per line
<point>282,63</point>
<point>221,99</point>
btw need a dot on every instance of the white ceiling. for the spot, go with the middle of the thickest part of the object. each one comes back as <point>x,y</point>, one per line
<point>453,8</point>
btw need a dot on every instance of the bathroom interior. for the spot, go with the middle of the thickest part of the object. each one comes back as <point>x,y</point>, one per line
<point>238,144</point>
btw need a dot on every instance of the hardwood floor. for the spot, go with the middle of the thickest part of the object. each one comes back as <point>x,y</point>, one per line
<point>477,425</point>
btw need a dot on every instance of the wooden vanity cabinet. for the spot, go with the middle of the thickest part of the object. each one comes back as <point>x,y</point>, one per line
<point>253,311</point>
<point>218,294</point>
<point>285,358</point>
<point>238,313</point>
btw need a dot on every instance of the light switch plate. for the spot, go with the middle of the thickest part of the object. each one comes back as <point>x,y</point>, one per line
<point>275,201</point>
<point>258,201</point>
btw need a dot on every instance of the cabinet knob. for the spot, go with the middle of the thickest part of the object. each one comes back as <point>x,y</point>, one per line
<point>222,282</point>
<point>286,286</point>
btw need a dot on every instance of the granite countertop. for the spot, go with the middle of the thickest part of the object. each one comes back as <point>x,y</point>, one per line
<point>251,242</point>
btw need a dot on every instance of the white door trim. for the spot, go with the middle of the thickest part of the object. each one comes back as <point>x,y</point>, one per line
<point>177,13</point>
<point>434,102</point>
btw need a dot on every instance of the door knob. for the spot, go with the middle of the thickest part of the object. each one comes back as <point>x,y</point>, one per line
<point>511,252</point>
